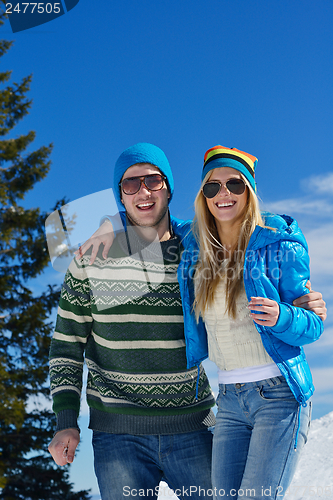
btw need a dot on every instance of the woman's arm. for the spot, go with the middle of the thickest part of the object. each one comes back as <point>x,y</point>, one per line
<point>268,310</point>
<point>111,224</point>
<point>293,325</point>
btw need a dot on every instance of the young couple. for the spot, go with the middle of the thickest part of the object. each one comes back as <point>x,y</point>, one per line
<point>147,308</point>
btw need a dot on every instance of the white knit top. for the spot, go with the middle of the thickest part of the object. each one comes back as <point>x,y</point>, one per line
<point>233,343</point>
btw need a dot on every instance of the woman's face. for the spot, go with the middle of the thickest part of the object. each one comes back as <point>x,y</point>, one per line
<point>226,207</point>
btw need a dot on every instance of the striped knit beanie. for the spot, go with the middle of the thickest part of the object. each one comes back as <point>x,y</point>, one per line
<point>219,156</point>
<point>143,152</point>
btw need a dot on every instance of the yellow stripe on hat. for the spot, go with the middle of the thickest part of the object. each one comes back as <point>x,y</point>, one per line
<point>233,152</point>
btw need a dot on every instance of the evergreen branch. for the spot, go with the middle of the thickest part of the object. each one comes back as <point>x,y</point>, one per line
<point>14,105</point>
<point>10,149</point>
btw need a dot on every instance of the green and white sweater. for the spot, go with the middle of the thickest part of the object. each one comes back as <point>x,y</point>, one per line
<point>123,315</point>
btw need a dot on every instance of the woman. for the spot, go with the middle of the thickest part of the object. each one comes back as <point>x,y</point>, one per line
<point>251,267</point>
<point>265,380</point>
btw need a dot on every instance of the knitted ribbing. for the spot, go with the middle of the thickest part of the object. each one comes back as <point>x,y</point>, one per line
<point>233,343</point>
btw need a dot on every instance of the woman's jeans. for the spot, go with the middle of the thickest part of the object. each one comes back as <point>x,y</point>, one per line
<point>129,466</point>
<point>259,434</point>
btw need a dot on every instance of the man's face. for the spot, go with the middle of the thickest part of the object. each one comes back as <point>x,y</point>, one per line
<point>146,208</point>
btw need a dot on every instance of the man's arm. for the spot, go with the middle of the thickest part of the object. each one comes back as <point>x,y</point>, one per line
<point>72,329</point>
<point>313,301</point>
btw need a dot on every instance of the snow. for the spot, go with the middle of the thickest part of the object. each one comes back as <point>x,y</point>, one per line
<point>314,475</point>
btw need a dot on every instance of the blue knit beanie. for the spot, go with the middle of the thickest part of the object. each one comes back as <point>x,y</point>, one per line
<point>220,156</point>
<point>143,152</point>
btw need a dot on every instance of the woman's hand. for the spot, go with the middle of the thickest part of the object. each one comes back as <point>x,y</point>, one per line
<point>268,311</point>
<point>104,235</point>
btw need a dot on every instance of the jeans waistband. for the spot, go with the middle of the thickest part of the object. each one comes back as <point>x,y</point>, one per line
<point>246,386</point>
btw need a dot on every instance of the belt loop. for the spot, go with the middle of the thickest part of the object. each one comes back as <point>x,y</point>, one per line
<point>273,381</point>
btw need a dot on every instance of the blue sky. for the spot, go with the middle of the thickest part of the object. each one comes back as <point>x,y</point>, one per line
<point>188,75</point>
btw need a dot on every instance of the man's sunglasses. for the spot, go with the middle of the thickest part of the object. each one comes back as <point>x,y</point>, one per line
<point>153,182</point>
<point>235,186</point>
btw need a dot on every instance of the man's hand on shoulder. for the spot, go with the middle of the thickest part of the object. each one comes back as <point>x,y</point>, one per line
<point>313,301</point>
<point>63,446</point>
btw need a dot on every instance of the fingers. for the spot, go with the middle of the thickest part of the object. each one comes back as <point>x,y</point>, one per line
<point>103,236</point>
<point>82,249</point>
<point>264,319</point>
<point>264,322</point>
<point>92,242</point>
<point>70,452</point>
<point>261,302</point>
<point>107,246</point>
<point>59,450</point>
<point>312,301</point>
<point>268,311</point>
<point>306,299</point>
<point>321,312</point>
<point>308,285</point>
<point>261,308</point>
<point>94,253</point>
<point>63,446</point>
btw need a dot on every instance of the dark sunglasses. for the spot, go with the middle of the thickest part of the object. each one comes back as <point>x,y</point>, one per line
<point>235,186</point>
<point>153,182</point>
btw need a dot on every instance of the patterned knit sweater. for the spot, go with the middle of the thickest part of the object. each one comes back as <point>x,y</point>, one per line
<point>123,315</point>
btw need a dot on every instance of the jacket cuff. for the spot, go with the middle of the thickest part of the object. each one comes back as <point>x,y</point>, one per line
<point>285,319</point>
<point>67,419</point>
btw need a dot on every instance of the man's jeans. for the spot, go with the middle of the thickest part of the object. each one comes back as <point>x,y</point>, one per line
<point>257,426</point>
<point>129,466</point>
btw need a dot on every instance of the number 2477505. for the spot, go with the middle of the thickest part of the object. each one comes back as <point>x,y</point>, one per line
<point>32,7</point>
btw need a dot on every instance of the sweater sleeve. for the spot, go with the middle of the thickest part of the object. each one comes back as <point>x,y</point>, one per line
<point>73,326</point>
<point>295,326</point>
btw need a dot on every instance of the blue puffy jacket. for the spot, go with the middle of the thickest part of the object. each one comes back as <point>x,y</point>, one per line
<point>276,266</point>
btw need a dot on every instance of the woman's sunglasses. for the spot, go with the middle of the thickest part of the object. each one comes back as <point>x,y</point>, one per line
<point>153,182</point>
<point>235,186</point>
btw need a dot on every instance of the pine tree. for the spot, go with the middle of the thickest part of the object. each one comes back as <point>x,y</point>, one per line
<point>27,471</point>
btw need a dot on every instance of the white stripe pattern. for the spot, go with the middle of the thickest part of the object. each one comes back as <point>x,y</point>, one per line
<point>69,338</point>
<point>139,344</point>
<point>70,315</point>
<point>63,388</point>
<point>136,318</point>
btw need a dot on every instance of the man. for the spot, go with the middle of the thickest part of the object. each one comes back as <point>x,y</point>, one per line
<point>149,411</point>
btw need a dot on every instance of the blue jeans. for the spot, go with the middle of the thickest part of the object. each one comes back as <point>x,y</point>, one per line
<point>257,426</point>
<point>130,466</point>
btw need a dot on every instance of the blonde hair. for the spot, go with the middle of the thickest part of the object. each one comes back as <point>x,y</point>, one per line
<point>215,262</point>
